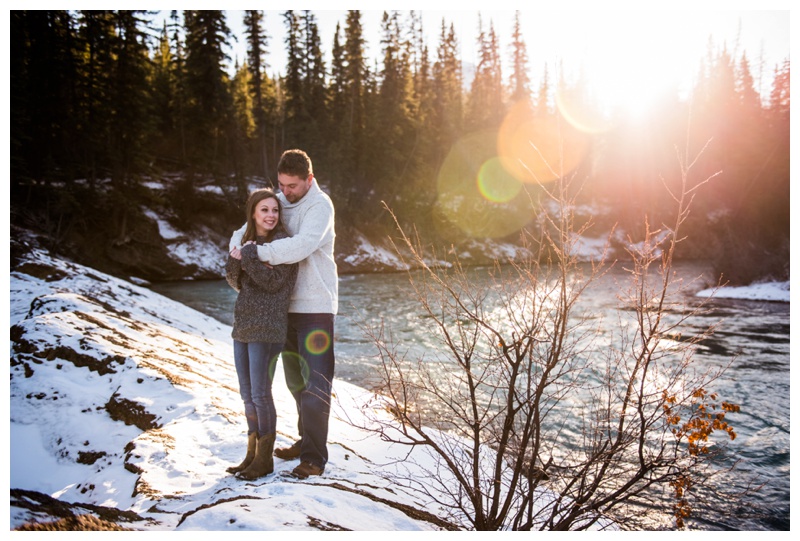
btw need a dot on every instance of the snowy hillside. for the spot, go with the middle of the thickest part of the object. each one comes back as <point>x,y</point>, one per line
<point>124,405</point>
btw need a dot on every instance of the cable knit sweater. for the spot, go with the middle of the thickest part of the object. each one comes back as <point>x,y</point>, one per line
<point>262,306</point>
<point>310,223</point>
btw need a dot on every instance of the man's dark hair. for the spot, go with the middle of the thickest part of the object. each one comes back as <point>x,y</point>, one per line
<point>295,163</point>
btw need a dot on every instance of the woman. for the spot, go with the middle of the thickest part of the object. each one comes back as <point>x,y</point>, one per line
<point>259,327</point>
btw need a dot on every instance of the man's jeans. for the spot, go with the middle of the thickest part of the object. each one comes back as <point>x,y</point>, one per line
<point>255,367</point>
<point>308,363</point>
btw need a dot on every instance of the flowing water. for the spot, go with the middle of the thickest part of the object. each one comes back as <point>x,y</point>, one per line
<point>752,338</point>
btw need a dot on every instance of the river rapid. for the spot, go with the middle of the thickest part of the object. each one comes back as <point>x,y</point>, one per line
<point>753,338</point>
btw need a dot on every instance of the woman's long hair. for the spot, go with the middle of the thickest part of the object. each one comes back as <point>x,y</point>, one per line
<point>255,198</point>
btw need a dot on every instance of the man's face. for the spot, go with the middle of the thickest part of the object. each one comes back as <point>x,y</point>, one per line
<point>294,188</point>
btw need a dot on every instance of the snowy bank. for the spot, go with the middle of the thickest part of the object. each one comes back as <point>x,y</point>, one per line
<point>767,291</point>
<point>124,405</point>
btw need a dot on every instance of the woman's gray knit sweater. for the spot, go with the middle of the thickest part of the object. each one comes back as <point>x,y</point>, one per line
<point>261,310</point>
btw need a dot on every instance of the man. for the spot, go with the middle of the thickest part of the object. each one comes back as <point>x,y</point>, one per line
<point>308,358</point>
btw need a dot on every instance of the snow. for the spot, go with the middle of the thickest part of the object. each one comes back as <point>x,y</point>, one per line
<point>766,291</point>
<point>365,253</point>
<point>198,250</point>
<point>588,249</point>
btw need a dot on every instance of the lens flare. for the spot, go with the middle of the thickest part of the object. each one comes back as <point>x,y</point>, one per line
<point>582,112</point>
<point>296,371</point>
<point>318,342</point>
<point>538,149</point>
<point>477,197</point>
<point>273,364</point>
<point>495,183</point>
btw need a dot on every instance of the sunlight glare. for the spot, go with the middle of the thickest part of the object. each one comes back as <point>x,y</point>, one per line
<point>627,64</point>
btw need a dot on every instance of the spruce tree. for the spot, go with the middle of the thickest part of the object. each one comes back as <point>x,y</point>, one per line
<point>447,92</point>
<point>97,36</point>
<point>256,64</point>
<point>44,111</point>
<point>294,108</point>
<point>314,125</point>
<point>130,98</point>
<point>209,101</point>
<point>354,141</point>
<point>519,80</point>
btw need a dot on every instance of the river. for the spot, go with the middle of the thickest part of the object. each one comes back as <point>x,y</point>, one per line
<point>753,337</point>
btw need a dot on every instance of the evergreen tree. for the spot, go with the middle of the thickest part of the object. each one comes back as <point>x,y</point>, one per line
<point>779,97</point>
<point>543,96</point>
<point>244,134</point>
<point>263,106</point>
<point>43,95</point>
<point>180,109</point>
<point>354,140</point>
<point>484,109</point>
<point>294,108</point>
<point>97,36</point>
<point>447,114</point>
<point>130,97</point>
<point>519,81</point>
<point>337,102</point>
<point>164,95</point>
<point>422,112</point>
<point>207,87</point>
<point>315,123</point>
<point>392,123</point>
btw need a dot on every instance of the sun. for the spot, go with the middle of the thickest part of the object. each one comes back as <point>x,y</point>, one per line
<point>625,63</point>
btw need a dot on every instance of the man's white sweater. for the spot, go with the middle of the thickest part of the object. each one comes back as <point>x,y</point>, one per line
<point>310,222</point>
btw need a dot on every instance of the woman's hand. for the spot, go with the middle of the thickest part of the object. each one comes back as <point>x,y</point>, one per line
<point>236,253</point>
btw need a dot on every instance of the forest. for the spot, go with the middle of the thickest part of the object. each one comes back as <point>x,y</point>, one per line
<point>101,102</point>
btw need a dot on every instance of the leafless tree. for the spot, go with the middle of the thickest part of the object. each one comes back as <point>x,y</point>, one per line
<point>535,418</point>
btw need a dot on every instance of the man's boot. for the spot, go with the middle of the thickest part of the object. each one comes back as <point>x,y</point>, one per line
<point>289,453</point>
<point>262,463</point>
<point>248,458</point>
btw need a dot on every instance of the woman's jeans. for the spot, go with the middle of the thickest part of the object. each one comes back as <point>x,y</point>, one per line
<point>255,367</point>
<point>308,364</point>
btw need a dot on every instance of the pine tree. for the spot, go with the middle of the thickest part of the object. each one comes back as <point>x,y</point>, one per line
<point>315,123</point>
<point>244,135</point>
<point>779,97</point>
<point>392,123</point>
<point>181,98</point>
<point>43,95</point>
<point>262,106</point>
<point>130,98</point>
<point>519,81</point>
<point>97,36</point>
<point>354,141</point>
<point>485,100</point>
<point>422,113</point>
<point>294,107</point>
<point>543,96</point>
<point>337,101</point>
<point>207,87</point>
<point>163,90</point>
<point>447,114</point>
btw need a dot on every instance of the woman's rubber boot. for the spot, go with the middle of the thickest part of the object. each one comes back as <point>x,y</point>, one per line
<point>262,463</point>
<point>248,458</point>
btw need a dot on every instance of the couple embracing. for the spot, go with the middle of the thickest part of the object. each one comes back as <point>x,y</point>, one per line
<point>281,262</point>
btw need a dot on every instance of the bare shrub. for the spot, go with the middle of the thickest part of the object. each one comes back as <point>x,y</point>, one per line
<point>533,417</point>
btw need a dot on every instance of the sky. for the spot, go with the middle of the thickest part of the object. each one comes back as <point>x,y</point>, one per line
<point>621,34</point>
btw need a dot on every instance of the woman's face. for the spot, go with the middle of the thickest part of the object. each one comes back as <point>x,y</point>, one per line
<point>266,216</point>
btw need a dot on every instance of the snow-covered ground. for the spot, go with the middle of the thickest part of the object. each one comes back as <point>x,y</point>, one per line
<point>122,398</point>
<point>766,291</point>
